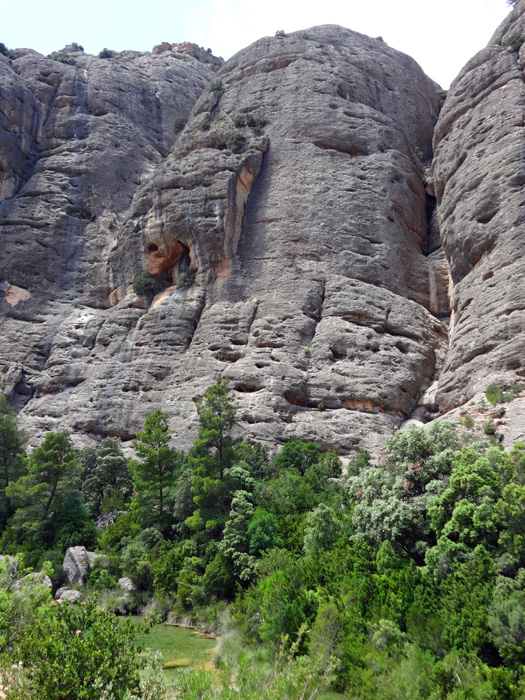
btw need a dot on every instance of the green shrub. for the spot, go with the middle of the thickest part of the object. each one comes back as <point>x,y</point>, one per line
<point>185,279</point>
<point>217,86</point>
<point>494,394</point>
<point>179,124</point>
<point>239,121</point>
<point>251,120</point>
<point>5,51</point>
<point>236,143</point>
<point>489,427</point>
<point>78,652</point>
<point>257,130</point>
<point>468,422</point>
<point>106,53</point>
<point>321,406</point>
<point>442,96</point>
<point>281,34</point>
<point>205,125</point>
<point>145,284</point>
<point>514,41</point>
<point>64,58</point>
<point>83,215</point>
<point>511,393</point>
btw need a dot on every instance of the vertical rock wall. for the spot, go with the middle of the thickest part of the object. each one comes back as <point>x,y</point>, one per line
<point>479,172</point>
<point>296,197</point>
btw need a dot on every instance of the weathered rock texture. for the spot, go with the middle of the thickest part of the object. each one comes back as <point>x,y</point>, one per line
<point>77,563</point>
<point>296,196</point>
<point>479,173</point>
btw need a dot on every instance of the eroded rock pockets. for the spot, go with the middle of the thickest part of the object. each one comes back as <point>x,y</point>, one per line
<point>77,140</point>
<point>296,196</point>
<point>479,177</point>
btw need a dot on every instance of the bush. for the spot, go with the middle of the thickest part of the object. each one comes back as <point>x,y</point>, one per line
<point>5,51</point>
<point>468,422</point>
<point>239,121</point>
<point>64,58</point>
<point>179,124</point>
<point>494,394</point>
<point>78,652</point>
<point>489,427</point>
<point>514,41</point>
<point>205,125</point>
<point>281,34</point>
<point>185,279</point>
<point>236,143</point>
<point>106,53</point>
<point>145,284</point>
<point>217,86</point>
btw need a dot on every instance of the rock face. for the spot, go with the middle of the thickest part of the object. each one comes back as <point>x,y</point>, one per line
<point>76,142</point>
<point>294,195</point>
<point>479,175</point>
<point>77,562</point>
<point>290,225</point>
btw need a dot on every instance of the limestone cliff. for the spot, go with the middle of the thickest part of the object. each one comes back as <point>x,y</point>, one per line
<point>296,197</point>
<point>479,173</point>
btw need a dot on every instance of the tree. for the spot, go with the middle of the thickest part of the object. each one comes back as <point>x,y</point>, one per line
<point>214,445</point>
<point>212,457</point>
<point>53,473</point>
<point>322,530</point>
<point>12,444</point>
<point>298,455</point>
<point>106,475</point>
<point>235,543</point>
<point>153,477</point>
<point>391,499</point>
<point>24,597</point>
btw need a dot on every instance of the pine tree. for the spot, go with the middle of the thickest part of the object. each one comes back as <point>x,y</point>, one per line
<point>212,457</point>
<point>154,474</point>
<point>12,463</point>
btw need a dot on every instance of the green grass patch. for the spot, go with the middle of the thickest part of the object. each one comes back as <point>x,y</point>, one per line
<point>180,646</point>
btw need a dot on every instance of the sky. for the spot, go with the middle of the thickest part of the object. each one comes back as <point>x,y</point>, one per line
<point>441,35</point>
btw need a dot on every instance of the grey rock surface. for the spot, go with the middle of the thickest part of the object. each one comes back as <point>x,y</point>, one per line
<point>75,143</point>
<point>126,584</point>
<point>77,563</point>
<point>479,175</point>
<point>295,196</point>
<point>65,594</point>
<point>35,578</point>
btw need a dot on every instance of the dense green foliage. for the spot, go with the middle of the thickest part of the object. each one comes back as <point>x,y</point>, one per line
<point>145,284</point>
<point>404,578</point>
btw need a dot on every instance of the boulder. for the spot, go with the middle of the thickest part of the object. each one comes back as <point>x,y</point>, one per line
<point>35,578</point>
<point>66,594</point>
<point>77,562</point>
<point>126,584</point>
